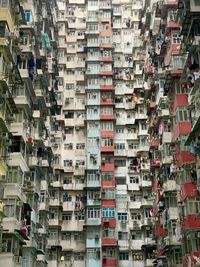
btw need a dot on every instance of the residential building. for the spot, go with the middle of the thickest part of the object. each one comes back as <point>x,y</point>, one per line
<point>99,133</point>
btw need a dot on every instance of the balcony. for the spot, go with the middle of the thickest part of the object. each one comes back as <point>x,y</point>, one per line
<point>93,117</point>
<point>93,183</point>
<point>95,221</point>
<point>106,87</point>
<point>147,202</point>
<point>54,202</point>
<point>106,116</point>
<point>111,183</point>
<point>5,15</point>
<point>73,245</point>
<point>109,241</point>
<point>105,4</point>
<point>184,157</point>
<point>188,190</point>
<point>181,128</point>
<point>93,242</point>
<point>106,102</point>
<point>191,222</point>
<point>93,202</point>
<point>107,203</point>
<point>134,204</point>
<point>169,185</point>
<point>17,159</point>
<point>180,100</point>
<point>106,59</point>
<point>109,262</point>
<point>137,244</point>
<point>104,72</point>
<point>109,222</point>
<point>14,190</point>
<point>106,166</point>
<point>72,225</point>
<point>53,242</point>
<point>93,262</point>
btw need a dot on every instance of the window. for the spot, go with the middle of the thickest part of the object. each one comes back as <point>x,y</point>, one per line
<point>66,236</point>
<point>178,62</point>
<point>137,256</point>
<point>79,180</point>
<point>28,15</point>
<point>14,175</point>
<point>67,180</point>
<point>109,233</point>
<point>107,158</point>
<point>79,256</point>
<point>122,216</point>
<point>122,235</point>
<point>123,256</point>
<point>93,213</point>
<point>120,163</point>
<point>143,126</point>
<point>135,216</point>
<point>78,236</point>
<point>108,194</point>
<point>134,180</point>
<point>182,115</point>
<point>134,197</point>
<point>69,130</point>
<point>132,145</point>
<point>119,130</point>
<point>68,163</point>
<point>121,180</point>
<point>79,216</point>
<point>107,141</point>
<point>120,146</point>
<point>110,253</point>
<point>68,146</point>
<point>69,86</point>
<point>53,235</point>
<point>106,176</point>
<point>107,125</point>
<point>69,115</point>
<point>176,39</point>
<point>108,212</point>
<point>107,110</point>
<point>67,216</point>
<point>80,146</point>
<point>80,163</point>
<point>67,197</point>
<point>136,235</point>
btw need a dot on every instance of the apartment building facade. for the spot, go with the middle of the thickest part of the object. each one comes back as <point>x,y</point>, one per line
<point>173,74</point>
<point>99,126</point>
<point>28,105</point>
